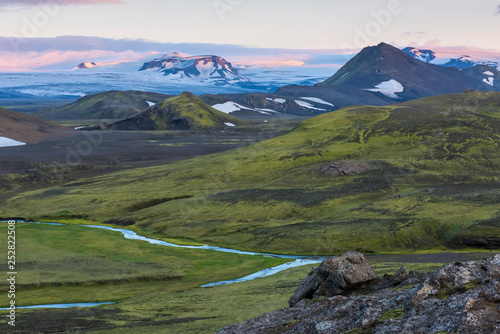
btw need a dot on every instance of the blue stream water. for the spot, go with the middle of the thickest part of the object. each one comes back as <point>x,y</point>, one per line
<point>295,261</point>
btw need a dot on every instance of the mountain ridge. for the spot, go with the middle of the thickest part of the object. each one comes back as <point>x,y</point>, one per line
<point>106,105</point>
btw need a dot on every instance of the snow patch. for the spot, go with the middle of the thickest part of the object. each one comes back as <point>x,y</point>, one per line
<point>317,100</point>
<point>388,88</point>
<point>150,103</point>
<point>307,105</point>
<point>280,101</point>
<point>7,142</point>
<point>488,73</point>
<point>80,127</point>
<point>262,109</point>
<point>229,107</point>
<point>344,75</point>
<point>489,81</point>
<point>229,124</point>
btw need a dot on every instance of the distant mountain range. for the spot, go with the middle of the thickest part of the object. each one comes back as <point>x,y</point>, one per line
<point>429,56</point>
<point>378,75</point>
<point>176,66</point>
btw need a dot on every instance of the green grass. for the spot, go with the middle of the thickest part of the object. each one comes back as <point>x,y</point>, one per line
<point>77,264</point>
<point>392,314</point>
<point>434,183</point>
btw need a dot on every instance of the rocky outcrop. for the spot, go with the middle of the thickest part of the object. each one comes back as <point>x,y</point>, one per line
<point>344,168</point>
<point>334,276</point>
<point>457,298</point>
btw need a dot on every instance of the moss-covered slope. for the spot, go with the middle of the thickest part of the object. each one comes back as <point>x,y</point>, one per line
<point>183,112</point>
<point>420,175</point>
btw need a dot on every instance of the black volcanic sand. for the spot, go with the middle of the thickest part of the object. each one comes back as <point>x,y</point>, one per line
<point>129,149</point>
<point>71,157</point>
<point>77,155</point>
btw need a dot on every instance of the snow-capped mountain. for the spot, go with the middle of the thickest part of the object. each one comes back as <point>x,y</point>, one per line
<point>468,61</point>
<point>86,65</point>
<point>423,55</point>
<point>210,69</point>
<point>464,61</point>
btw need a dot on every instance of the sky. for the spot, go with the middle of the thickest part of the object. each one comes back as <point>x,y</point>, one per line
<point>37,34</point>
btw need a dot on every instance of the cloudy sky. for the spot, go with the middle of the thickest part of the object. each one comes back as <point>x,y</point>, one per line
<point>40,33</point>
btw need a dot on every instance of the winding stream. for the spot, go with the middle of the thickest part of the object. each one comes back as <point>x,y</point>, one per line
<point>59,306</point>
<point>295,261</point>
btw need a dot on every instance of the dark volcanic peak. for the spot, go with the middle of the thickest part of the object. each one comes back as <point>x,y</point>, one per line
<point>386,70</point>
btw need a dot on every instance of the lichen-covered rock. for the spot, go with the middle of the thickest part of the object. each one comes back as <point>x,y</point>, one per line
<point>457,298</point>
<point>333,276</point>
<point>344,168</point>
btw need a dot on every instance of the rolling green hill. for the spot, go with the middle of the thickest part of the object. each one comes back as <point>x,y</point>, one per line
<point>182,112</point>
<point>107,105</point>
<point>421,175</point>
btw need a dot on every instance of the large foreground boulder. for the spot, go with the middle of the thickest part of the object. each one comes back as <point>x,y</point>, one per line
<point>457,298</point>
<point>334,276</point>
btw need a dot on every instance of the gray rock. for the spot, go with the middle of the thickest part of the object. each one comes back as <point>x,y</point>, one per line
<point>457,298</point>
<point>344,168</point>
<point>400,276</point>
<point>334,276</point>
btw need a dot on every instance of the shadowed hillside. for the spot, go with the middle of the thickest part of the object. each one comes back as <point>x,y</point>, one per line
<point>27,128</point>
<point>106,105</point>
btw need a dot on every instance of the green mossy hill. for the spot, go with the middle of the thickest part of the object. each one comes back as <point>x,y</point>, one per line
<point>422,175</point>
<point>107,105</point>
<point>182,112</point>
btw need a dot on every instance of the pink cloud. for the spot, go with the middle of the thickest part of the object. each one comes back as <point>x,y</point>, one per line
<point>459,50</point>
<point>59,2</point>
<point>30,61</point>
<point>273,61</point>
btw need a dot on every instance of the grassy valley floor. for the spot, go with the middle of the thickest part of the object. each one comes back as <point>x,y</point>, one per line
<point>157,288</point>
